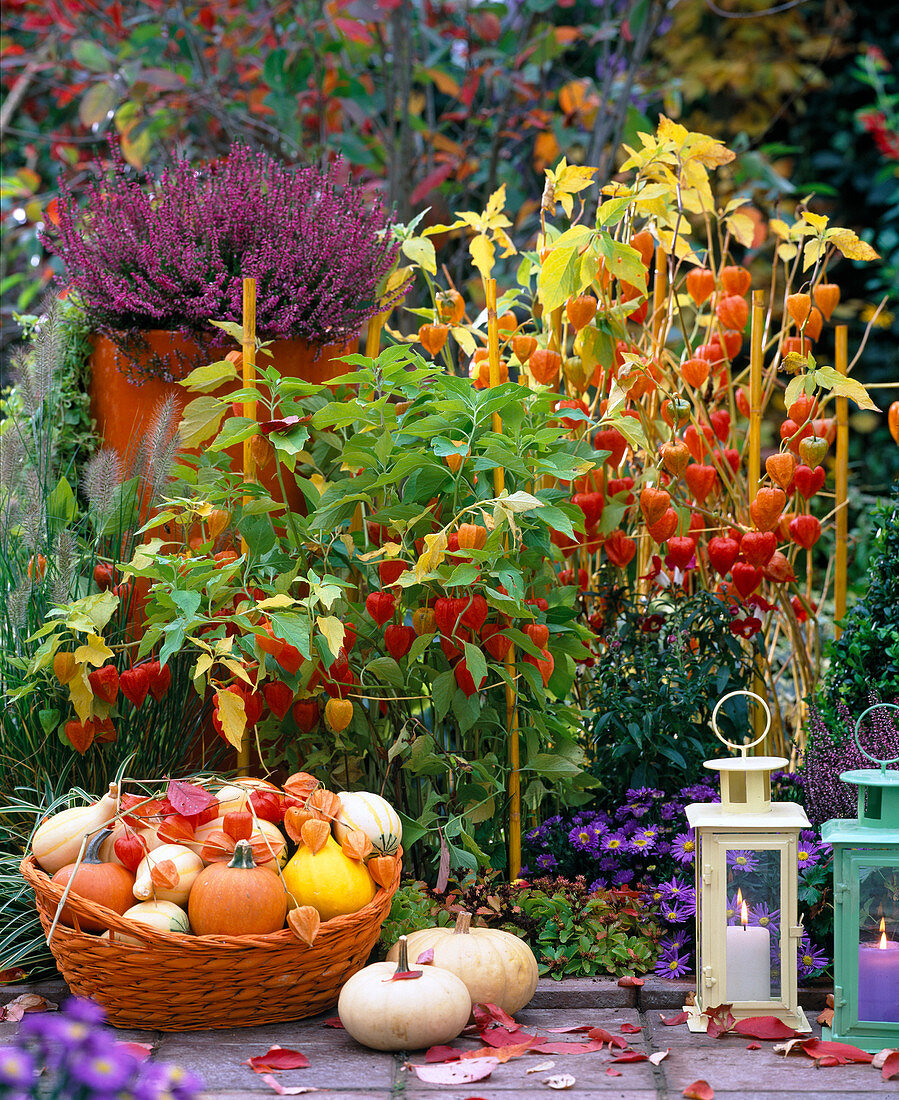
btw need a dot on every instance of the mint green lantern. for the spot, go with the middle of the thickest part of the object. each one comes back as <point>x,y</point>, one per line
<point>866,907</point>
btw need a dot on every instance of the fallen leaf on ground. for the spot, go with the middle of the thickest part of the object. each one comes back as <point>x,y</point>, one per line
<point>629,981</point>
<point>503,1037</point>
<point>487,1014</point>
<point>542,1068</point>
<point>456,1073</point>
<point>443,1053</point>
<point>629,1029</point>
<point>277,1058</point>
<point>286,1090</point>
<point>332,1021</point>
<point>881,1056</point>
<point>844,1053</point>
<point>670,1021</point>
<point>890,1066</point>
<point>764,1027</point>
<point>27,1002</point>
<point>826,1016</point>
<point>568,1048</point>
<point>699,1090</point>
<point>612,1072</point>
<point>501,1054</point>
<point>753,1046</point>
<point>139,1051</point>
<point>631,1056</point>
<point>13,974</point>
<point>604,1036</point>
<point>659,1056</point>
<point>563,1081</point>
<point>567,1030</point>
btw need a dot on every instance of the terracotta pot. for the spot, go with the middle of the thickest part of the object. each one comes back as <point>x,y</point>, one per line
<point>123,401</point>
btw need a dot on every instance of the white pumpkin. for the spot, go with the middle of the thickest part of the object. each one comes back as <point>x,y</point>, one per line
<point>164,916</point>
<point>403,1015</point>
<point>187,866</point>
<point>497,967</point>
<point>57,840</point>
<point>374,816</point>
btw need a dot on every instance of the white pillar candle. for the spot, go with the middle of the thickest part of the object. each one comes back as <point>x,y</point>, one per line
<point>748,964</point>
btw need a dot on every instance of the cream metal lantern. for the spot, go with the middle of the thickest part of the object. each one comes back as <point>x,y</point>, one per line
<point>747,878</point>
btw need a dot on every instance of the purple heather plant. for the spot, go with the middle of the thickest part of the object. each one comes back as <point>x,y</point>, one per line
<point>170,253</point>
<point>69,1055</point>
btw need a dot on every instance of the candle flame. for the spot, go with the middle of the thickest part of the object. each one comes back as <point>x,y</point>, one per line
<point>744,916</point>
<point>883,935</point>
<point>739,895</point>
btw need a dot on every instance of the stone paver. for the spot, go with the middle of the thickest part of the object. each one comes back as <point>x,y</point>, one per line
<point>342,1070</point>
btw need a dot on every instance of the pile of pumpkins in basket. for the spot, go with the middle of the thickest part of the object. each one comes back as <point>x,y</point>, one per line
<point>212,858</point>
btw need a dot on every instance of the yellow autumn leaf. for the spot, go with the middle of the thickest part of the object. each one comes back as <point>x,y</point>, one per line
<point>709,151</point>
<point>851,245</point>
<point>668,130</point>
<point>787,252</point>
<point>495,203</point>
<point>94,652</point>
<point>333,630</point>
<point>742,227</point>
<point>397,278</point>
<point>572,178</point>
<point>433,555</point>
<point>236,669</point>
<point>482,253</point>
<point>779,228</point>
<point>811,253</point>
<point>319,482</point>
<point>233,716</point>
<point>272,603</point>
<point>817,220</point>
<point>203,665</point>
<point>464,339</point>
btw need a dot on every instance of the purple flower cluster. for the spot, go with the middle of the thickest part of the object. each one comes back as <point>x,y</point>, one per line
<point>644,844</point>
<point>73,1056</point>
<point>829,752</point>
<point>171,253</point>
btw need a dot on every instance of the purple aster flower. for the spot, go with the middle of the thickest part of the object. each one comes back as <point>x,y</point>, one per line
<point>740,860</point>
<point>655,895</point>
<point>537,835</point>
<point>672,966</point>
<point>87,1012</point>
<point>598,884</point>
<point>675,912</point>
<point>16,1067</point>
<point>683,847</point>
<point>734,904</point>
<point>103,1072</point>
<point>808,854</point>
<point>699,792</point>
<point>811,959</point>
<point>674,889</point>
<point>547,862</point>
<point>640,842</point>
<point>675,941</point>
<point>524,871</point>
<point>614,842</point>
<point>625,877</point>
<point>765,917</point>
<point>669,810</point>
<point>580,837</point>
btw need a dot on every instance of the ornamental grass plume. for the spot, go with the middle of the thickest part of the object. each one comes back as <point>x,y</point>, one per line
<point>170,253</point>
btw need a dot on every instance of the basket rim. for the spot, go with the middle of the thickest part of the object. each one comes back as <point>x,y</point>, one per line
<point>50,894</point>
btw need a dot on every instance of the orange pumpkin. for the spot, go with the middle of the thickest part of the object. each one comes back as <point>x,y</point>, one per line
<point>237,899</point>
<point>106,884</point>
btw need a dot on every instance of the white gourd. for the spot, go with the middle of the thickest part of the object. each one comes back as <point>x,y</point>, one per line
<point>57,841</point>
<point>164,916</point>
<point>187,863</point>
<point>374,816</point>
<point>407,1014</point>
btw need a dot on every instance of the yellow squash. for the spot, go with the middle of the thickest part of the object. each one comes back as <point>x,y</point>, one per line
<point>328,880</point>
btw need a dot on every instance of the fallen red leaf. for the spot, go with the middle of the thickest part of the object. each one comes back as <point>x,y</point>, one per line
<point>753,1046</point>
<point>843,1052</point>
<point>631,1056</point>
<point>699,1090</point>
<point>890,1066</point>
<point>404,976</point>
<point>567,1030</point>
<point>139,1051</point>
<point>501,1054</point>
<point>764,1027</point>
<point>611,1072</point>
<point>670,1021</point>
<point>503,1037</point>
<point>442,1054</point>
<point>629,1029</point>
<point>568,1048</point>
<point>487,1014</point>
<point>456,1073</point>
<point>332,1021</point>
<point>830,1060</point>
<point>277,1058</point>
<point>425,957</point>
<point>13,974</point>
<point>629,981</point>
<point>607,1037</point>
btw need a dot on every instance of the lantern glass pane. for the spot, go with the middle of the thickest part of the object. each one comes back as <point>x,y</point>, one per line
<point>878,943</point>
<point>753,925</point>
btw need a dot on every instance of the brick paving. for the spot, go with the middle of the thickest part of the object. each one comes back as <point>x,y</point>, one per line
<point>342,1070</point>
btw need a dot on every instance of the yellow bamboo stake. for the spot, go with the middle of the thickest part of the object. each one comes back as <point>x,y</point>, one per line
<point>842,483</point>
<point>756,358</point>
<point>373,335</point>
<point>499,484</point>
<point>659,310</point>
<point>249,466</point>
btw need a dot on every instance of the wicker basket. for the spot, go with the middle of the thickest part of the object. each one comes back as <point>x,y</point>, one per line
<point>173,982</point>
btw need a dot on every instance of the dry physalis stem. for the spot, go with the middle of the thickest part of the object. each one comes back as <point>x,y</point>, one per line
<point>304,923</point>
<point>356,845</point>
<point>315,834</point>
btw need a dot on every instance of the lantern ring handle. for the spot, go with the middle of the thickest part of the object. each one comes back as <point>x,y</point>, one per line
<point>741,748</point>
<point>858,726</point>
